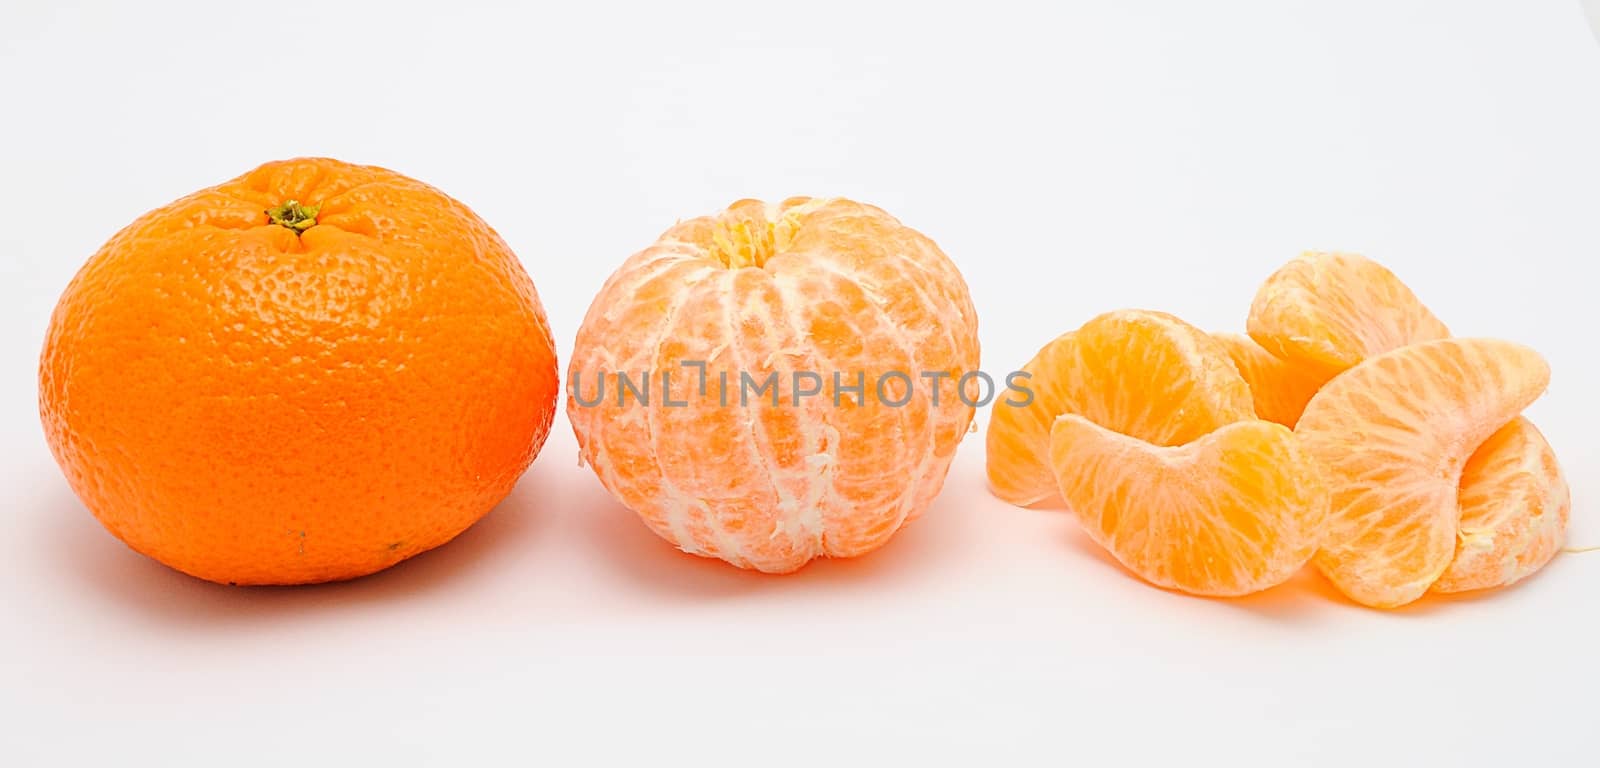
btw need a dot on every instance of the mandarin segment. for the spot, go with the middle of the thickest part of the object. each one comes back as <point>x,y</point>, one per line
<point>1144,374</point>
<point>1394,434</point>
<point>1514,504</point>
<point>1233,512</point>
<point>1280,390</point>
<point>810,286</point>
<point>1019,426</point>
<point>1325,312</point>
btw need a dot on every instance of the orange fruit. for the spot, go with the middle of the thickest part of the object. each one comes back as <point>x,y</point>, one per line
<point>1514,509</point>
<point>1144,374</point>
<point>1280,390</point>
<point>307,373</point>
<point>1235,511</point>
<point>829,288</point>
<point>1325,312</point>
<point>1394,434</point>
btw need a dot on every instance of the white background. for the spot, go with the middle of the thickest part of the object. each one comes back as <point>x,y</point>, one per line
<point>1071,159</point>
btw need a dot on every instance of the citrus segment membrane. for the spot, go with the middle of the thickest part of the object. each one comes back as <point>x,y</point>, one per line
<point>1394,434</point>
<point>1144,374</point>
<point>1515,504</point>
<point>1233,512</point>
<point>1280,390</point>
<point>1325,312</point>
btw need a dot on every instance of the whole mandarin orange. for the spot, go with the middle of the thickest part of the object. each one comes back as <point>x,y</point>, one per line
<point>308,373</point>
<point>861,326</point>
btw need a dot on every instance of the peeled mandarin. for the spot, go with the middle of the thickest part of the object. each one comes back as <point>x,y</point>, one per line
<point>826,288</point>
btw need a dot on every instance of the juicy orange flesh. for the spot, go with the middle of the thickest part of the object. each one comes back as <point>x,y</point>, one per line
<point>1143,425</point>
<point>1433,480</point>
<point>1280,390</point>
<point>1230,513</point>
<point>762,289</point>
<point>1394,434</point>
<point>1147,375</point>
<point>1325,312</point>
<point>1514,504</point>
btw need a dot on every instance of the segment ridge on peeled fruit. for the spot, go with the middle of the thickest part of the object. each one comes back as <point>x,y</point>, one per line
<point>827,286</point>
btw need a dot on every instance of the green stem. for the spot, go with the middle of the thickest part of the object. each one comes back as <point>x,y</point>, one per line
<point>293,215</point>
